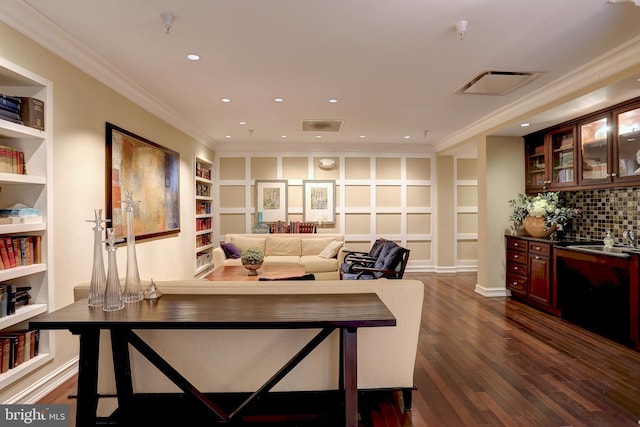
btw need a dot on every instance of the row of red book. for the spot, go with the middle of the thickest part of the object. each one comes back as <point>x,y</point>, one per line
<point>202,171</point>
<point>12,160</point>
<point>203,240</point>
<point>292,227</point>
<point>203,208</point>
<point>17,347</point>
<point>203,224</point>
<point>16,251</point>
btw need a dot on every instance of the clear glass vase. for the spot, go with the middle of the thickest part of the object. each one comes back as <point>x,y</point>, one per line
<point>113,293</point>
<point>98,275</point>
<point>132,286</point>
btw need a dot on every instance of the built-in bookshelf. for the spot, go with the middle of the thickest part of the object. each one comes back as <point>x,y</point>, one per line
<point>203,186</point>
<point>27,184</point>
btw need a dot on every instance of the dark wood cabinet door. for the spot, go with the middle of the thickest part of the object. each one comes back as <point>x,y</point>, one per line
<point>539,283</point>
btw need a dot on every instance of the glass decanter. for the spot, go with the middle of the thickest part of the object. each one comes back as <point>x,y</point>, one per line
<point>113,294</point>
<point>132,286</point>
<point>98,275</point>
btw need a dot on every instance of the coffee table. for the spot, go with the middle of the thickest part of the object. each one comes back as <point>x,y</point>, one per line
<point>271,272</point>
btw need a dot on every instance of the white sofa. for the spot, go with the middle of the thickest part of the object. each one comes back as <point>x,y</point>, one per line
<point>241,360</point>
<point>288,248</point>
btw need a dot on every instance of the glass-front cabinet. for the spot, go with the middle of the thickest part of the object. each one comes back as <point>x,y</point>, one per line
<point>551,160</point>
<point>537,177</point>
<point>599,150</point>
<point>627,142</point>
<point>594,151</point>
<point>563,157</point>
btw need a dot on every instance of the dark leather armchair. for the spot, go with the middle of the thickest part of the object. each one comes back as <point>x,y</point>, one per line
<point>390,264</point>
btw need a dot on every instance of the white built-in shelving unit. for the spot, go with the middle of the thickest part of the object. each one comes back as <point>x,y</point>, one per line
<point>32,189</point>
<point>203,187</point>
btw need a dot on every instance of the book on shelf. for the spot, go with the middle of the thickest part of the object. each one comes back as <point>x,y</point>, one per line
<point>5,107</point>
<point>12,160</point>
<point>27,250</point>
<point>18,347</point>
<point>32,112</point>
<point>10,102</point>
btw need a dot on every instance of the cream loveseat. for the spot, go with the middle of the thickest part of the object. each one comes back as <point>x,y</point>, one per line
<point>287,248</point>
<point>241,360</point>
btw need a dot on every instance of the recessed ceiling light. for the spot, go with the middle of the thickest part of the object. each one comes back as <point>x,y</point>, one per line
<point>318,136</point>
<point>278,99</point>
<point>283,136</point>
<point>227,136</point>
<point>225,100</point>
<point>333,101</point>
<point>243,122</point>
<point>524,125</point>
<point>363,136</point>
<point>193,56</point>
<point>407,137</point>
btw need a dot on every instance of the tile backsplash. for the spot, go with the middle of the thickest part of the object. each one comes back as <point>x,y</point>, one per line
<point>609,209</point>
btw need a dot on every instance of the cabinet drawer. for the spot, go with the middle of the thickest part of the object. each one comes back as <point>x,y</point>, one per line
<point>516,283</point>
<point>517,268</point>
<point>515,256</point>
<point>516,244</point>
<point>540,248</point>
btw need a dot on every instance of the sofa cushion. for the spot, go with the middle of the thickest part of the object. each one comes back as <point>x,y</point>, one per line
<point>313,246</point>
<point>281,259</point>
<point>315,264</point>
<point>242,242</point>
<point>283,246</point>
<point>230,250</point>
<point>331,250</point>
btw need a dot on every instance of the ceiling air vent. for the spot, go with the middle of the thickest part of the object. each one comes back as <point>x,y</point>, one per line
<point>322,125</point>
<point>497,82</point>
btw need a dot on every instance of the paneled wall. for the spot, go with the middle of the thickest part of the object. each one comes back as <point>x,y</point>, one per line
<point>466,203</point>
<point>387,196</point>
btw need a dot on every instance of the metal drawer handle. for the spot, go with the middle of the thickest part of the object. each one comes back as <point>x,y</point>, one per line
<point>515,268</point>
<point>538,248</point>
<point>516,256</point>
<point>537,257</point>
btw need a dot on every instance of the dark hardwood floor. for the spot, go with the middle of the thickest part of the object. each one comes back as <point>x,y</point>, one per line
<point>494,361</point>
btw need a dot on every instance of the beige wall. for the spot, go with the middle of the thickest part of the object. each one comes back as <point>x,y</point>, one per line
<point>500,178</point>
<point>390,196</point>
<point>81,106</point>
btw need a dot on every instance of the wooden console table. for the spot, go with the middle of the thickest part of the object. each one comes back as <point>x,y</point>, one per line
<point>344,312</point>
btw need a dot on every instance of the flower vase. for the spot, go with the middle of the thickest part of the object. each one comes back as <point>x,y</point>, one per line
<point>113,293</point>
<point>253,268</point>
<point>98,275</point>
<point>537,227</point>
<point>132,286</point>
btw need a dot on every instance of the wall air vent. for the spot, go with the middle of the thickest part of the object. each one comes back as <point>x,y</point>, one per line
<point>322,125</point>
<point>497,82</point>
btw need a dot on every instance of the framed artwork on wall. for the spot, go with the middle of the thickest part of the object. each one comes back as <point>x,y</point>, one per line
<point>319,201</point>
<point>271,200</point>
<point>151,173</point>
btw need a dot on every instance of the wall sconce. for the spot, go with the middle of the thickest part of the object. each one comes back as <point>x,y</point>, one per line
<point>326,164</point>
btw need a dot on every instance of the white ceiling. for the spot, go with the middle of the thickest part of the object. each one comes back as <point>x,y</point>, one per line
<point>393,65</point>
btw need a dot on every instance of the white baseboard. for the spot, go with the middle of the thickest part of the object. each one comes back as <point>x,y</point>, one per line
<point>492,292</point>
<point>46,385</point>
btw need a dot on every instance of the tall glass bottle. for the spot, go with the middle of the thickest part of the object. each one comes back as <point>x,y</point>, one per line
<point>113,294</point>
<point>132,286</point>
<point>98,276</point>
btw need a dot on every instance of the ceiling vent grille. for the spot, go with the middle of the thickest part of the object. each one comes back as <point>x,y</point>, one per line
<point>322,125</point>
<point>497,82</point>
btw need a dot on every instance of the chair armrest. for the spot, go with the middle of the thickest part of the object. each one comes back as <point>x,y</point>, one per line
<point>360,269</point>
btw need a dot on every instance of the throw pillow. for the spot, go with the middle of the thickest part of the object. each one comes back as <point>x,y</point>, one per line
<point>331,250</point>
<point>230,251</point>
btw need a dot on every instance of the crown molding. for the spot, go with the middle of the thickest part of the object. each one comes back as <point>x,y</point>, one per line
<point>23,18</point>
<point>583,79</point>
